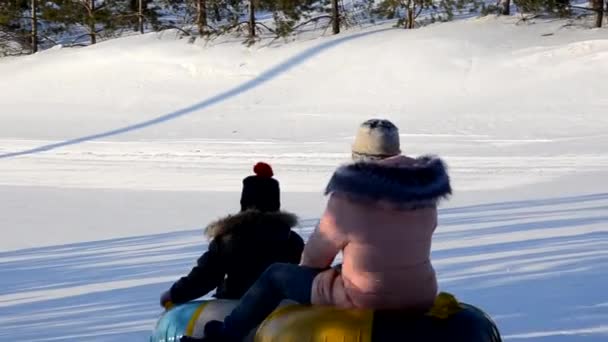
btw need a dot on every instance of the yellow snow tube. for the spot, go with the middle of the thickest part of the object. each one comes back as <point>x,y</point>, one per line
<point>298,323</point>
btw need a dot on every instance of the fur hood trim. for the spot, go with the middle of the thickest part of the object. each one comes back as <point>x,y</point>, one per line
<point>408,182</point>
<point>249,218</point>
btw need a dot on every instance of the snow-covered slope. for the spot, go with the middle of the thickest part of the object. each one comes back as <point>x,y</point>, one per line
<point>94,229</point>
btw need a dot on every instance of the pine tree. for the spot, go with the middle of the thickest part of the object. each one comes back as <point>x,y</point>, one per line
<point>17,33</point>
<point>436,9</point>
<point>91,16</point>
<point>226,11</point>
<point>287,13</point>
<point>558,7</point>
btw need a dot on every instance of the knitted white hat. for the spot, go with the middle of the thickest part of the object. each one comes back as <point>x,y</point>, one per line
<point>376,139</point>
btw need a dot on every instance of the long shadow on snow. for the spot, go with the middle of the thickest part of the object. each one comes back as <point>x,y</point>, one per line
<point>223,96</point>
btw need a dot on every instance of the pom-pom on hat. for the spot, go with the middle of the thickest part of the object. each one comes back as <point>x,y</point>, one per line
<point>263,170</point>
<point>261,191</point>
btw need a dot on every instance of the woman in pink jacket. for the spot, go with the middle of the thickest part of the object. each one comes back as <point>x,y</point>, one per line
<point>381,213</point>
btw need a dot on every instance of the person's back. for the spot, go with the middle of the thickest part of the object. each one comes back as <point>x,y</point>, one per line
<point>386,245</point>
<point>242,245</point>
<point>382,214</point>
<point>391,271</point>
<point>251,241</point>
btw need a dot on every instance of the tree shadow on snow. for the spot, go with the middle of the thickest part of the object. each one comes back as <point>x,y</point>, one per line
<point>535,266</point>
<point>538,266</point>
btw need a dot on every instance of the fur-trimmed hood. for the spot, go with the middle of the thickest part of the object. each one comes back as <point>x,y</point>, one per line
<point>409,182</point>
<point>250,218</point>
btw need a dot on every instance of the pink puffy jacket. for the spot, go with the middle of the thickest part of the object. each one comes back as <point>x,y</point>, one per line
<point>382,216</point>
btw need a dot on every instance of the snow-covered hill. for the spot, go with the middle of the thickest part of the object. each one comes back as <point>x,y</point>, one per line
<point>148,138</point>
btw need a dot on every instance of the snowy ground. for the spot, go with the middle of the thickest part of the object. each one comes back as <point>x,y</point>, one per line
<point>94,231</point>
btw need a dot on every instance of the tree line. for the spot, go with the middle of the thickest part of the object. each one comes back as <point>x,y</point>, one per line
<point>28,25</point>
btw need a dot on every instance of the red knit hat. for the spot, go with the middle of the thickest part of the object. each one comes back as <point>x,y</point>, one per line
<point>263,170</point>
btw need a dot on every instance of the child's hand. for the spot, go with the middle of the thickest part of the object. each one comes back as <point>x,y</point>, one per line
<point>165,300</point>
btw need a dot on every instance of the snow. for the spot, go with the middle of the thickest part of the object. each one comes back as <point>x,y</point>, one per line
<point>113,157</point>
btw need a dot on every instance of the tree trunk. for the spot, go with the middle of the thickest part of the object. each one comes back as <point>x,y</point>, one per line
<point>251,19</point>
<point>140,15</point>
<point>92,31</point>
<point>411,8</point>
<point>506,7</point>
<point>598,6</point>
<point>335,17</point>
<point>201,16</point>
<point>34,26</point>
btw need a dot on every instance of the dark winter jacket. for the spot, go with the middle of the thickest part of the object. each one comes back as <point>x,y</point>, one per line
<point>242,247</point>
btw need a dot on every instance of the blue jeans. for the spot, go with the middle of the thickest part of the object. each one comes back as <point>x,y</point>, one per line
<point>278,282</point>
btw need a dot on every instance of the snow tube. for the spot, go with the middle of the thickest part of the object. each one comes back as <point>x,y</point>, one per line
<point>448,320</point>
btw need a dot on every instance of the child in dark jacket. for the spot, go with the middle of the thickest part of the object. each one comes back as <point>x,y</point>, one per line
<point>243,245</point>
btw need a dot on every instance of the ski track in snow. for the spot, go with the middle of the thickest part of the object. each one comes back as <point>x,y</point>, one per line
<point>212,165</point>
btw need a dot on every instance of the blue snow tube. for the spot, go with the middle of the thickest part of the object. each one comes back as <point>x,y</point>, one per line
<point>175,323</point>
<point>448,321</point>
<point>189,319</point>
